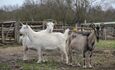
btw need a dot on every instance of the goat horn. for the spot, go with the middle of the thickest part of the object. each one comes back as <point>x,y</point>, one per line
<point>21,23</point>
<point>92,25</point>
<point>26,23</point>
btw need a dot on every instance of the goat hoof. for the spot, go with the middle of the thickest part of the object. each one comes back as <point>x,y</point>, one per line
<point>25,59</point>
<point>38,62</point>
<point>67,62</point>
<point>90,66</point>
<point>79,65</point>
<point>70,64</point>
<point>44,61</point>
<point>84,66</point>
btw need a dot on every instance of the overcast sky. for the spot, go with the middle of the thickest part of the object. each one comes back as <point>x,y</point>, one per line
<point>11,2</point>
<point>104,3</point>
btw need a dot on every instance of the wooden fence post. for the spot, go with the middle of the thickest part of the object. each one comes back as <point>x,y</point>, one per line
<point>43,25</point>
<point>2,29</point>
<point>17,34</point>
<point>105,34</point>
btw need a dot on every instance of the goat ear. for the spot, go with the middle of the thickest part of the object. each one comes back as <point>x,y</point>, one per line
<point>54,22</point>
<point>26,23</point>
<point>92,25</point>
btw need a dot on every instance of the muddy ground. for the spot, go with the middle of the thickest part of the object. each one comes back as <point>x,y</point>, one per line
<point>103,59</point>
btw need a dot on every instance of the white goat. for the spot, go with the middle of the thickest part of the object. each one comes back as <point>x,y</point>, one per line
<point>44,40</point>
<point>26,41</point>
<point>50,27</point>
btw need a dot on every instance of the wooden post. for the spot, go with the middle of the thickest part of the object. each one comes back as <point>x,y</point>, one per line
<point>17,34</point>
<point>2,29</point>
<point>105,34</point>
<point>15,27</point>
<point>43,25</point>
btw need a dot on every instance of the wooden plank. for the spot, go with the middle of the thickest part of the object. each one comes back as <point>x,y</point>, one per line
<point>9,30</point>
<point>58,29</point>
<point>37,26</point>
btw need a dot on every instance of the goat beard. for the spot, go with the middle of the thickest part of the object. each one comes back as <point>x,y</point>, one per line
<point>97,38</point>
<point>50,31</point>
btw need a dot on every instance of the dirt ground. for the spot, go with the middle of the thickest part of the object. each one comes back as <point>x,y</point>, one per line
<point>103,58</point>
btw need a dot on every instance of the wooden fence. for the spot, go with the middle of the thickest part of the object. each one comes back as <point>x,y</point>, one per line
<point>107,31</point>
<point>9,31</point>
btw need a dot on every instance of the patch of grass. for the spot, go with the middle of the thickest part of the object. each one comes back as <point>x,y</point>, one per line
<point>45,66</point>
<point>4,66</point>
<point>106,44</point>
<point>35,66</point>
<point>50,65</point>
<point>101,59</point>
<point>6,46</point>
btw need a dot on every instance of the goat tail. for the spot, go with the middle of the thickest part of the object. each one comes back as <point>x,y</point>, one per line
<point>67,42</point>
<point>66,36</point>
<point>66,33</point>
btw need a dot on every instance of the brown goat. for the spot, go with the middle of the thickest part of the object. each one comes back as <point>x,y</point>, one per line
<point>83,43</point>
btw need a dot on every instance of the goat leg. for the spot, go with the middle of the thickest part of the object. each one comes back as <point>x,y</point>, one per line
<point>39,55</point>
<point>89,60</point>
<point>70,56</point>
<point>78,59</point>
<point>25,49</point>
<point>66,56</point>
<point>84,60</point>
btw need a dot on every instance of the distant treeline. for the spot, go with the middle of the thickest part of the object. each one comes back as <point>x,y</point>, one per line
<point>67,11</point>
